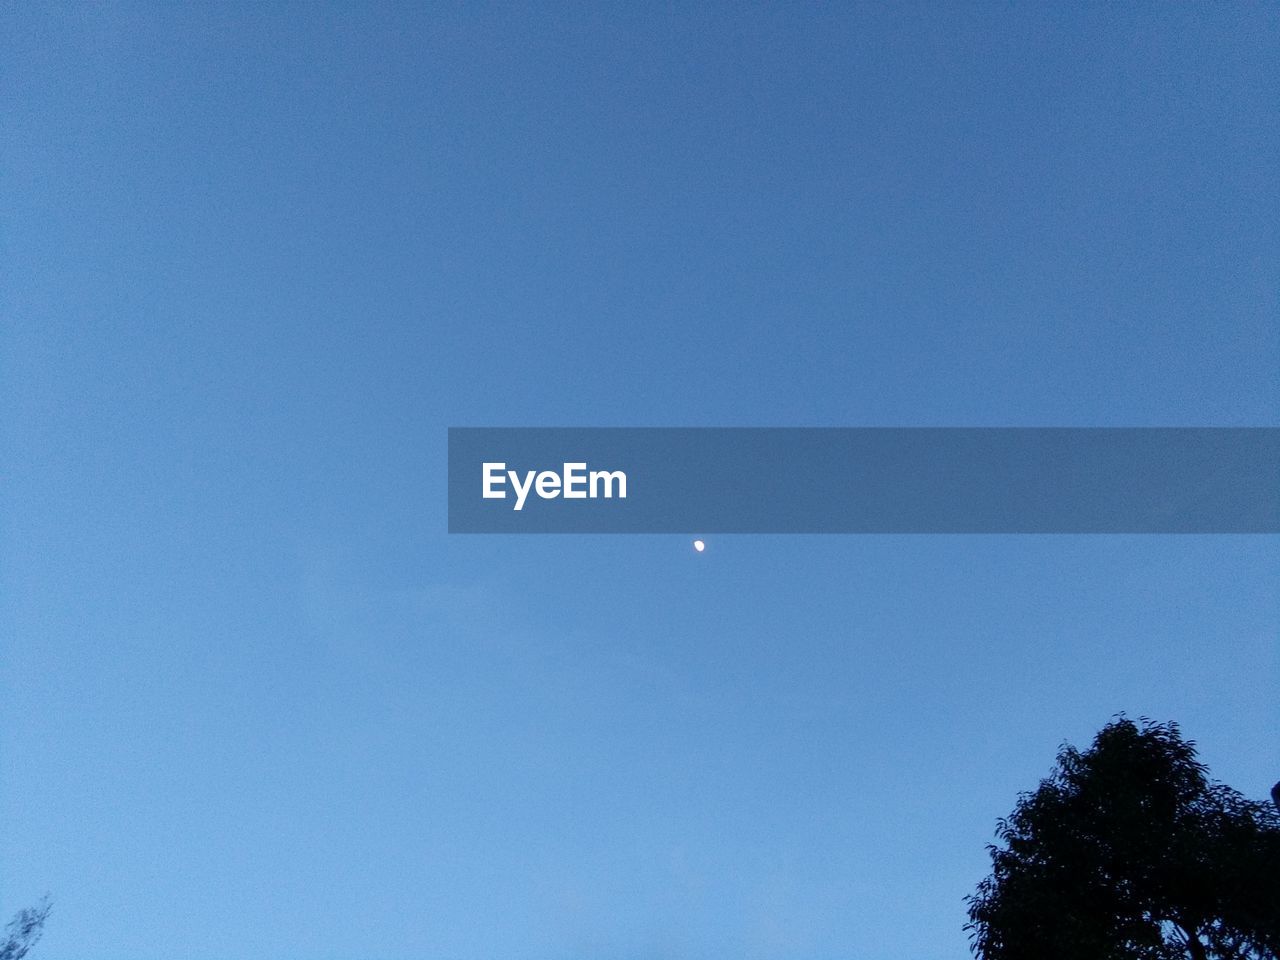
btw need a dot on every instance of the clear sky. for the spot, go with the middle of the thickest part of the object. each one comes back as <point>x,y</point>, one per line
<point>257,258</point>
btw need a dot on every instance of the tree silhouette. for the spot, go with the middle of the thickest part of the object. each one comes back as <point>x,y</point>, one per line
<point>1129,852</point>
<point>23,931</point>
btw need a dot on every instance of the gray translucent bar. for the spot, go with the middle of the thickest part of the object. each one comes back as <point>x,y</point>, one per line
<point>868,480</point>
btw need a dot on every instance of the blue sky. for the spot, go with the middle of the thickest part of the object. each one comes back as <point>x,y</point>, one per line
<point>256,260</point>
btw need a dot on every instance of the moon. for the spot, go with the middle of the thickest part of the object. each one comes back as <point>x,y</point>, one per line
<point>699,545</point>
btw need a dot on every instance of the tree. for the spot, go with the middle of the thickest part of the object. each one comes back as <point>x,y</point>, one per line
<point>1127,851</point>
<point>23,931</point>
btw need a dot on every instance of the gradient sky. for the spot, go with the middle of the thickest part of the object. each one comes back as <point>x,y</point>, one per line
<point>257,704</point>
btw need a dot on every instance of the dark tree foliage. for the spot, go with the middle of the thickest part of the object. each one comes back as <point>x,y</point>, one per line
<point>23,931</point>
<point>1129,852</point>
